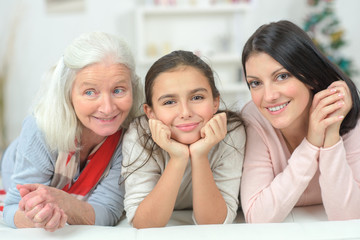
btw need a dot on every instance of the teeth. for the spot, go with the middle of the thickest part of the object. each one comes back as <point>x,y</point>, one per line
<point>105,119</point>
<point>277,108</point>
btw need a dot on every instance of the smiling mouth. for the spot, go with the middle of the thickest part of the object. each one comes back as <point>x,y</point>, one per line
<point>277,108</point>
<point>187,127</point>
<point>105,119</point>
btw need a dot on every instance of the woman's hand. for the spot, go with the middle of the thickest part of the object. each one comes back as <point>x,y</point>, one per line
<point>328,109</point>
<point>332,134</point>
<point>40,206</point>
<point>161,134</point>
<point>212,133</point>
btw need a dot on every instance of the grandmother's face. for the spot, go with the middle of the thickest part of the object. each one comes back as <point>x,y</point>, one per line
<point>102,97</point>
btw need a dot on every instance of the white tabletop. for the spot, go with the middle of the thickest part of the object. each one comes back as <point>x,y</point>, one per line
<point>302,223</point>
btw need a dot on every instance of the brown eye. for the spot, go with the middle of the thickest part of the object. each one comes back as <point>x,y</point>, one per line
<point>282,76</point>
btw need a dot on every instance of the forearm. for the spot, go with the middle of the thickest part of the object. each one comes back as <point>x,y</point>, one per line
<point>266,197</point>
<point>332,135</point>
<point>78,212</point>
<point>156,209</point>
<point>339,187</point>
<point>209,205</point>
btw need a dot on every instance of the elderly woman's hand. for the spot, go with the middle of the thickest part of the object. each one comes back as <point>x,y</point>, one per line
<point>40,205</point>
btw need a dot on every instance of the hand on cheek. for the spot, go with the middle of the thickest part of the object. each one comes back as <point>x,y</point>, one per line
<point>161,135</point>
<point>212,133</point>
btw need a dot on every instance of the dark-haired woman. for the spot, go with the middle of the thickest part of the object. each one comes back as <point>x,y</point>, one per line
<point>302,129</point>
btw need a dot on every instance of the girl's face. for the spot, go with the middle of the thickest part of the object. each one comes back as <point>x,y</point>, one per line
<point>281,98</point>
<point>102,97</point>
<point>182,99</point>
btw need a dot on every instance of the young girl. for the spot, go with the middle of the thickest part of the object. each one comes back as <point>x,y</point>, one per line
<point>184,153</point>
<point>302,129</point>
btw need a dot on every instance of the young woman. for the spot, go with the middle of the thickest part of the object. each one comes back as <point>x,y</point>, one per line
<point>302,129</point>
<point>66,163</point>
<point>184,153</point>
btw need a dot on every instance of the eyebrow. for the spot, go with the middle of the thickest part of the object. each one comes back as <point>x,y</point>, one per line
<point>90,83</point>
<point>272,74</point>
<point>174,95</point>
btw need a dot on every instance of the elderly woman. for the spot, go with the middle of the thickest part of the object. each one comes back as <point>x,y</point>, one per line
<point>65,165</point>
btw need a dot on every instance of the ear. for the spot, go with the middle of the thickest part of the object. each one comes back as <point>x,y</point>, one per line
<point>216,104</point>
<point>149,112</point>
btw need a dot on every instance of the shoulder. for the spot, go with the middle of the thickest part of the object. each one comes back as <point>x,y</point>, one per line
<point>236,133</point>
<point>138,127</point>
<point>250,111</point>
<point>30,134</point>
<point>253,117</point>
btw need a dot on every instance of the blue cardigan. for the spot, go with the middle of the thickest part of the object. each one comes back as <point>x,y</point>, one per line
<point>30,161</point>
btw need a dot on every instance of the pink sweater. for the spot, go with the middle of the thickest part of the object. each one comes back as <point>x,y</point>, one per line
<point>275,181</point>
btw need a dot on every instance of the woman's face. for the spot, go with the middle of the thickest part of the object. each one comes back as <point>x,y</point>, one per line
<point>281,98</point>
<point>182,99</point>
<point>102,97</point>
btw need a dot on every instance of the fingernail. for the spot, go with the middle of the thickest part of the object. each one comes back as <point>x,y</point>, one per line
<point>341,117</point>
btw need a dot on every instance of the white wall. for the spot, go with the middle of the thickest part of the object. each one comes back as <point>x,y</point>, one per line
<point>42,37</point>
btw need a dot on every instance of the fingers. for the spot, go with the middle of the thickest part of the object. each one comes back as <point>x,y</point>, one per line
<point>48,216</point>
<point>33,198</point>
<point>159,131</point>
<point>328,102</point>
<point>217,126</point>
<point>57,221</point>
<point>329,108</point>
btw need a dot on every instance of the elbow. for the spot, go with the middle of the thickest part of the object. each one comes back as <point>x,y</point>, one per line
<point>142,225</point>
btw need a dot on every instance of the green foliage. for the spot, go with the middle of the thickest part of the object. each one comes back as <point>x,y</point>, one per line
<point>324,28</point>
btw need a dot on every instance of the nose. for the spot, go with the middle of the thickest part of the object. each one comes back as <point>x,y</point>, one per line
<point>185,111</point>
<point>107,104</point>
<point>271,92</point>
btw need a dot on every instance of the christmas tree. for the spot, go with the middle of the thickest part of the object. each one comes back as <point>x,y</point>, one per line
<point>324,28</point>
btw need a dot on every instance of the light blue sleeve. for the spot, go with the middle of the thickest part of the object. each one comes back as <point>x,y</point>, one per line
<point>108,197</point>
<point>33,163</point>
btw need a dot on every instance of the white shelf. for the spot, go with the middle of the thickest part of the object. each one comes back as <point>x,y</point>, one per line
<point>233,59</point>
<point>210,9</point>
<point>212,31</point>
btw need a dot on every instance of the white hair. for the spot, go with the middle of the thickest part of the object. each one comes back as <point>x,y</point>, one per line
<point>54,112</point>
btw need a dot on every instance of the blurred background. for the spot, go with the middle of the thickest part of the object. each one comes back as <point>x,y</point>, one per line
<point>34,34</point>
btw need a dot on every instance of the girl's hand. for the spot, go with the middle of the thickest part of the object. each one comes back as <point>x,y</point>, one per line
<point>40,207</point>
<point>328,109</point>
<point>161,134</point>
<point>212,133</point>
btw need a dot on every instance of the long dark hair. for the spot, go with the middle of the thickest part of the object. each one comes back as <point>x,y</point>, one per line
<point>295,51</point>
<point>169,63</point>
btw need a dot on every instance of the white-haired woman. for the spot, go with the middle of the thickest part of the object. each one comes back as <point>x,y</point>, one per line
<point>66,163</point>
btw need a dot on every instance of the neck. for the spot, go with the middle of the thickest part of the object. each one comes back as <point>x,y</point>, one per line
<point>294,136</point>
<point>89,140</point>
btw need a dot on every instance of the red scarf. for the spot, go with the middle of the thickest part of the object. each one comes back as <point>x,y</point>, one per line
<point>97,166</point>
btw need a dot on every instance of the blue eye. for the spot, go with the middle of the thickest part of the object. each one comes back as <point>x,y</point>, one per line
<point>89,93</point>
<point>118,90</point>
